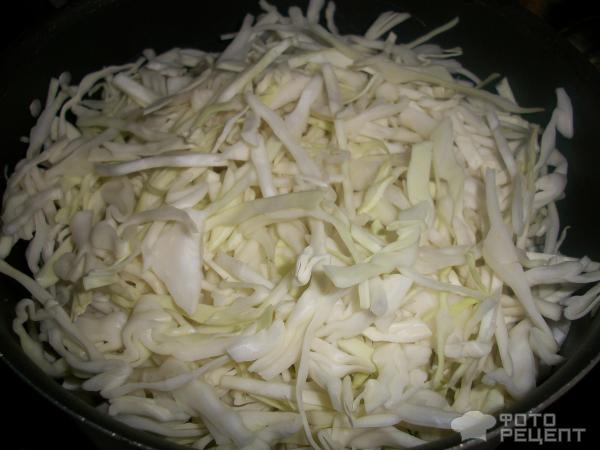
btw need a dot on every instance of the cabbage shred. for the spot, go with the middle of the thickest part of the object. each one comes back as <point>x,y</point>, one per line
<point>310,239</point>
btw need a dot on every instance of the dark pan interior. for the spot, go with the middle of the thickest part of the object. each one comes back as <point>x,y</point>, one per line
<point>495,38</point>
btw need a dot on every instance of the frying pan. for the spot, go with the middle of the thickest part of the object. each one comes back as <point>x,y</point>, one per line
<point>495,38</point>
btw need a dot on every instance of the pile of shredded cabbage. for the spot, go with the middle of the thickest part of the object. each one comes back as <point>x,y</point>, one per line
<point>308,240</point>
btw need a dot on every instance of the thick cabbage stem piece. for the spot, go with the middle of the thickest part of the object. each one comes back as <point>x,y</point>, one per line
<point>176,259</point>
<point>500,253</point>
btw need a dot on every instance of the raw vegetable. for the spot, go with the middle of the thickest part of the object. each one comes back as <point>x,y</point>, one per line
<point>309,239</point>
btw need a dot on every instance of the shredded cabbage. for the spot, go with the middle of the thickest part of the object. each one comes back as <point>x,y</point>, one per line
<point>310,239</point>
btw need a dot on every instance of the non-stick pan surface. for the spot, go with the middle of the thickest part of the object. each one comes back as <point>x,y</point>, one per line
<point>495,38</point>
